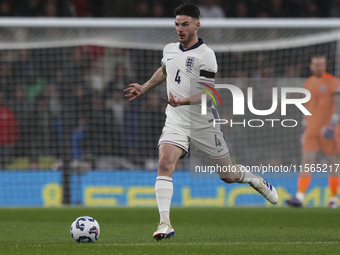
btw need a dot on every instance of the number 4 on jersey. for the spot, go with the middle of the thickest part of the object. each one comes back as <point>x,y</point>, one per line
<point>178,78</point>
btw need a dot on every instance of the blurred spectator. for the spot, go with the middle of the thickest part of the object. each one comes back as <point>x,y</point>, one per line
<point>75,69</point>
<point>117,60</point>
<point>64,8</point>
<point>312,9</point>
<point>266,70</point>
<point>76,106</point>
<point>6,77</point>
<point>35,85</point>
<point>293,71</point>
<point>95,76</point>
<point>241,10</point>
<point>8,133</point>
<point>50,9</point>
<point>41,60</point>
<point>81,8</point>
<point>54,102</point>
<point>44,135</point>
<point>124,8</point>
<point>23,65</point>
<point>209,9</point>
<point>258,8</point>
<point>158,10</point>
<point>42,8</point>
<point>96,7</point>
<point>277,9</point>
<point>56,122</point>
<point>120,81</point>
<point>100,128</point>
<point>291,76</point>
<point>143,9</point>
<point>79,135</point>
<point>116,103</point>
<point>263,14</point>
<point>335,9</point>
<point>24,72</point>
<point>93,52</point>
<point>324,7</point>
<point>131,133</point>
<point>152,121</point>
<point>27,8</point>
<point>24,112</point>
<point>297,8</point>
<point>5,8</point>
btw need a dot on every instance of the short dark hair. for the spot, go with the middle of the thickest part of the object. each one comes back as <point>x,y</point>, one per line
<point>318,56</point>
<point>188,9</point>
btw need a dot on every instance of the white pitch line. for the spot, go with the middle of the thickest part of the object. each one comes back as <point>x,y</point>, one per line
<point>227,243</point>
<point>167,243</point>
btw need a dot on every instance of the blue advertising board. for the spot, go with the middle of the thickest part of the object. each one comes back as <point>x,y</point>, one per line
<point>136,188</point>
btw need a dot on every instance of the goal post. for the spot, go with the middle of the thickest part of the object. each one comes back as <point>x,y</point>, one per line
<point>80,142</point>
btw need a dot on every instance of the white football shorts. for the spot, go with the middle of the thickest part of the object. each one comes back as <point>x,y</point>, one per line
<point>209,141</point>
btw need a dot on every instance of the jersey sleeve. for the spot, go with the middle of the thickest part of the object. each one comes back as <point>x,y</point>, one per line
<point>305,84</point>
<point>163,61</point>
<point>208,68</point>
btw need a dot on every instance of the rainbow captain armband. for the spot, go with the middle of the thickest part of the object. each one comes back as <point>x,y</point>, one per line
<point>209,93</point>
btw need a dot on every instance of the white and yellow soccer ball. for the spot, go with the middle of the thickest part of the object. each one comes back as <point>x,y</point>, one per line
<point>85,229</point>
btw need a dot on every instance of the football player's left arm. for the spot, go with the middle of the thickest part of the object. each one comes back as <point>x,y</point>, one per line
<point>193,99</point>
<point>336,97</point>
<point>336,115</point>
<point>328,131</point>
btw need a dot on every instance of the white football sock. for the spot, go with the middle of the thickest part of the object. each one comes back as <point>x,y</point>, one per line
<point>248,177</point>
<point>333,199</point>
<point>300,196</point>
<point>164,190</point>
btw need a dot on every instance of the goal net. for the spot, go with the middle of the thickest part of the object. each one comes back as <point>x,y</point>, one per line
<point>68,135</point>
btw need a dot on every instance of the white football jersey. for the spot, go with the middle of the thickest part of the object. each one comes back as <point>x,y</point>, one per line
<point>186,69</point>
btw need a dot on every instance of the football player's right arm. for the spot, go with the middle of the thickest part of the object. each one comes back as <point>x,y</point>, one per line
<point>136,90</point>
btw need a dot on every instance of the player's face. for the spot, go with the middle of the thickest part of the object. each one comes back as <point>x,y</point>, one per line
<point>186,28</point>
<point>318,66</point>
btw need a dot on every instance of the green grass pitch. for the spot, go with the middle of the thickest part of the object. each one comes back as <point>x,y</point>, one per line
<point>198,231</point>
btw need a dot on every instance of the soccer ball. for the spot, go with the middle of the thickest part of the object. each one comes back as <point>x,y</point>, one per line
<point>85,229</point>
